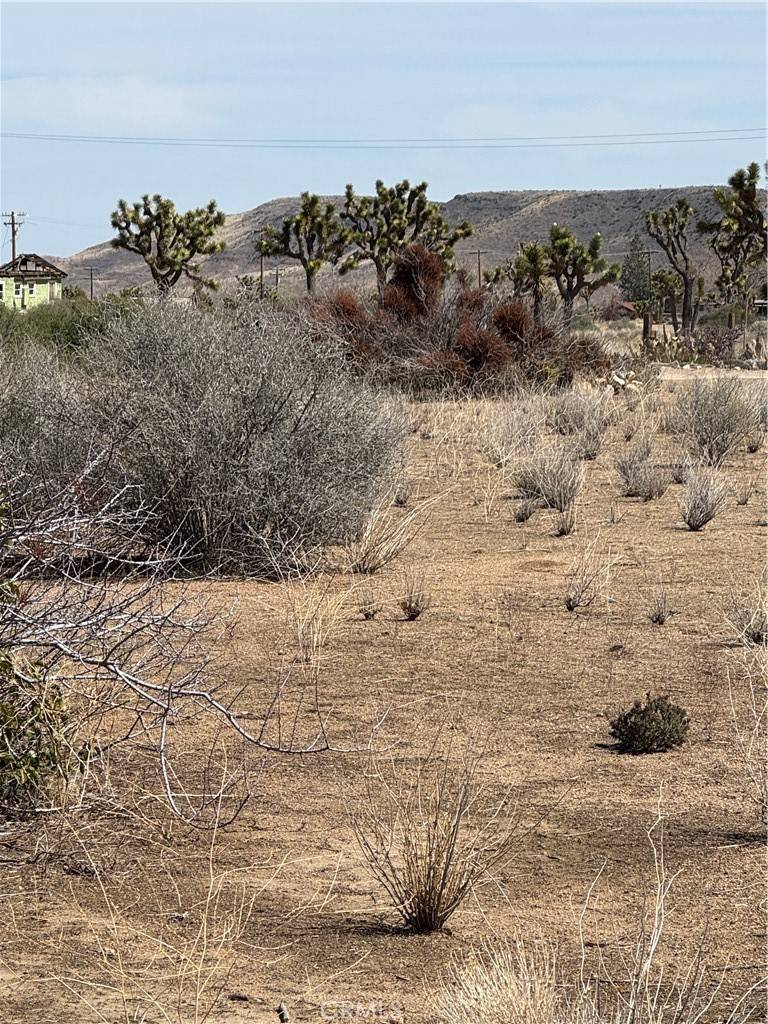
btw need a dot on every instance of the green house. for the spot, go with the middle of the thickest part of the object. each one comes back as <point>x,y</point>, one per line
<point>29,280</point>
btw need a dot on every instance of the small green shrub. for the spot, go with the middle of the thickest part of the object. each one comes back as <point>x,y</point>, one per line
<point>40,755</point>
<point>650,728</point>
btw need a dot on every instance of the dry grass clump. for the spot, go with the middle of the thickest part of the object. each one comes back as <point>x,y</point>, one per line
<point>370,605</point>
<point>589,577</point>
<point>502,984</point>
<point>416,598</point>
<point>383,537</point>
<point>705,496</point>
<point>552,476</point>
<point>750,620</point>
<point>314,612</point>
<point>714,417</point>
<point>430,836</point>
<point>660,610</point>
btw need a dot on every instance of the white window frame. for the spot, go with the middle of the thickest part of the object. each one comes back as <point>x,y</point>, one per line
<point>31,288</point>
<point>18,289</point>
<point>2,290</point>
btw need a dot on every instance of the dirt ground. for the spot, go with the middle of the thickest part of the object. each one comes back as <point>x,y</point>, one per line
<point>496,654</point>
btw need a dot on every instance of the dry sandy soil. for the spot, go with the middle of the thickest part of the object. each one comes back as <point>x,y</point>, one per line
<point>497,653</point>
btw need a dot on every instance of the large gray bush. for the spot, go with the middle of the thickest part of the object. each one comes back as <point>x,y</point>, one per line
<point>240,429</point>
<point>714,416</point>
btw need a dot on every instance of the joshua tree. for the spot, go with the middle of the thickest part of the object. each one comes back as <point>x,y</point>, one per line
<point>381,225</point>
<point>739,238</point>
<point>635,284</point>
<point>168,241</point>
<point>313,236</point>
<point>532,268</point>
<point>577,267</point>
<point>669,229</point>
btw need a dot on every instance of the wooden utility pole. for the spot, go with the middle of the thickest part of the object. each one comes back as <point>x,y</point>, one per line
<point>261,275</point>
<point>479,253</point>
<point>91,270</point>
<point>14,224</point>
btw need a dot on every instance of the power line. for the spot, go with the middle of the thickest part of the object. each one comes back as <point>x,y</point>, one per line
<point>499,142</point>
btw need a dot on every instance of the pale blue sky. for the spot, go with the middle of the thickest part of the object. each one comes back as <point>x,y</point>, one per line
<point>361,71</point>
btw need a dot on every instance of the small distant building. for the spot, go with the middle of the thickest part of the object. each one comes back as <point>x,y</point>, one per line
<point>29,280</point>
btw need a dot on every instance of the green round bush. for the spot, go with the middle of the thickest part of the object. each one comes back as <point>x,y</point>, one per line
<point>651,727</point>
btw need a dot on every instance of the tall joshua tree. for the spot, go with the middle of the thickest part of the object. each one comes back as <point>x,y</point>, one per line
<point>577,268</point>
<point>168,241</point>
<point>669,229</point>
<point>382,225</point>
<point>313,236</point>
<point>739,237</point>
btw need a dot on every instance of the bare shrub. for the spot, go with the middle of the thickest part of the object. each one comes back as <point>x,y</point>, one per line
<point>745,491</point>
<point>714,417</point>
<point>430,836</point>
<point>704,497</point>
<point>653,482</point>
<point>552,475</point>
<point>633,466</point>
<point>416,598</point>
<point>589,577</point>
<point>660,610</point>
<point>239,427</point>
<point>748,694</point>
<point>370,606</point>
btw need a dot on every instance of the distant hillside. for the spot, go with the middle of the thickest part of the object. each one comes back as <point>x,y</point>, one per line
<point>502,220</point>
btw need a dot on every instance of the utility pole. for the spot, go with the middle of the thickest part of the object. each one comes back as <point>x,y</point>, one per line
<point>261,275</point>
<point>14,225</point>
<point>479,253</point>
<point>91,270</point>
<point>277,277</point>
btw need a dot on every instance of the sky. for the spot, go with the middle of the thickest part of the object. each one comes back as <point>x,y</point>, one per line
<point>362,71</point>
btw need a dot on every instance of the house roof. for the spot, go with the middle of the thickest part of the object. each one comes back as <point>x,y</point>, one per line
<point>29,264</point>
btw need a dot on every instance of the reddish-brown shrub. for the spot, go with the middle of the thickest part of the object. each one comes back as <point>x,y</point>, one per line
<point>416,284</point>
<point>483,351</point>
<point>515,323</point>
